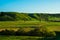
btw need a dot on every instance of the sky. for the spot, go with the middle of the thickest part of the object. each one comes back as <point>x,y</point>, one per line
<point>30,6</point>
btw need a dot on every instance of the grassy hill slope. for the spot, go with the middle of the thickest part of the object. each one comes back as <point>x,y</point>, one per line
<point>13,16</point>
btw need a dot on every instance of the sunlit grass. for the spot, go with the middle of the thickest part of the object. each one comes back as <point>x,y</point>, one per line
<point>17,24</point>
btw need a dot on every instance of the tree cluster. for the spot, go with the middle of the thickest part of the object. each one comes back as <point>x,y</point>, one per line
<point>35,32</point>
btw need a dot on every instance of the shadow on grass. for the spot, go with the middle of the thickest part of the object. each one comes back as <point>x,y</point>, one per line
<point>8,33</point>
<point>57,35</point>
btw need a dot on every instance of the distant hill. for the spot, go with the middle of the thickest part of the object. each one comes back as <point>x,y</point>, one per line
<point>15,16</point>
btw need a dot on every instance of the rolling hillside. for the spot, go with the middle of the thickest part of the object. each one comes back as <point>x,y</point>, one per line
<point>15,16</point>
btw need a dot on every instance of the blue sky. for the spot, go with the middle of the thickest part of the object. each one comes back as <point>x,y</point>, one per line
<point>30,6</point>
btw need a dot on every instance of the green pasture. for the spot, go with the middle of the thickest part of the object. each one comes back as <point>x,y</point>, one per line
<point>17,24</point>
<point>24,38</point>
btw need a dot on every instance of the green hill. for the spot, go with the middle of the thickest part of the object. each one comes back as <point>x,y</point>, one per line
<point>15,16</point>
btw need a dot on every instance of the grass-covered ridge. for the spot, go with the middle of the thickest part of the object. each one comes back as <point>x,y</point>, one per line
<point>14,16</point>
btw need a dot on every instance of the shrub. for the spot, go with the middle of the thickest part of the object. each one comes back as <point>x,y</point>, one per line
<point>23,31</point>
<point>7,32</point>
<point>42,31</point>
<point>51,33</point>
<point>39,31</point>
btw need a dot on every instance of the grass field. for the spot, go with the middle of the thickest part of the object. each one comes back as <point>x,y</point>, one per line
<point>17,24</point>
<point>24,38</point>
<point>14,25</point>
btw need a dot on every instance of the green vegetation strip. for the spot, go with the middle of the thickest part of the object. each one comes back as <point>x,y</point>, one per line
<point>23,38</point>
